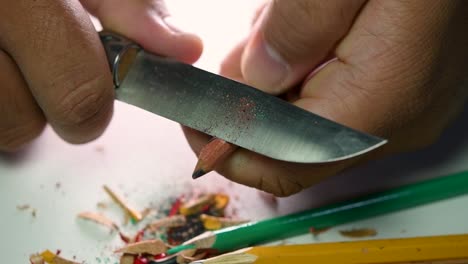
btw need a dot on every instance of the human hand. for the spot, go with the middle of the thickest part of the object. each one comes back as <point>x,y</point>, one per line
<point>53,67</point>
<point>395,69</point>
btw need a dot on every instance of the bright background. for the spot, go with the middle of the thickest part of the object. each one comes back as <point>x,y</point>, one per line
<point>147,158</point>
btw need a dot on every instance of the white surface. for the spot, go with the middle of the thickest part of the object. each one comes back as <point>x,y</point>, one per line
<point>147,158</point>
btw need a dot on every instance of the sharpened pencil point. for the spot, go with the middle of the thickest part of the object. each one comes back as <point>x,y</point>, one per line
<point>198,173</point>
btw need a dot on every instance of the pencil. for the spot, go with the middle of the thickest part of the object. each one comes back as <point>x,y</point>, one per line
<point>430,249</point>
<point>213,153</point>
<point>254,233</point>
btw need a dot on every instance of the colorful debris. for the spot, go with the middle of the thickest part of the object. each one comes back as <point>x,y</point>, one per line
<point>99,219</point>
<point>359,233</point>
<point>152,247</point>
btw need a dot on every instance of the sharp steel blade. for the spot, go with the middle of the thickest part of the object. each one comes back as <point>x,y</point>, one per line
<point>237,113</point>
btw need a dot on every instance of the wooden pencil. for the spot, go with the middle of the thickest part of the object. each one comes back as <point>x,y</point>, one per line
<point>431,249</point>
<point>255,233</point>
<point>213,153</point>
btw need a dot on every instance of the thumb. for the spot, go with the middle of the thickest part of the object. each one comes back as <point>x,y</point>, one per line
<point>291,38</point>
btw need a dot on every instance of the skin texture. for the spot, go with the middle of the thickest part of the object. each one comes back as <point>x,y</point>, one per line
<point>53,67</point>
<point>396,69</point>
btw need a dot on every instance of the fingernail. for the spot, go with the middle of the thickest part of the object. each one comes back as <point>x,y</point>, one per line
<point>319,68</point>
<point>263,67</point>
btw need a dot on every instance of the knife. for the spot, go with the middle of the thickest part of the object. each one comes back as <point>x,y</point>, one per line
<point>226,109</point>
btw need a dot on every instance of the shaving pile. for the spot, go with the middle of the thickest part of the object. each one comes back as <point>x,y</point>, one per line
<point>183,219</point>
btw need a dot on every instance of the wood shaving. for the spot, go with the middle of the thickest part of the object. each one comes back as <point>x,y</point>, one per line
<point>146,212</point>
<point>215,223</point>
<point>152,247</point>
<point>60,260</point>
<point>23,207</point>
<point>189,256</point>
<point>221,201</point>
<point>358,233</point>
<point>102,205</point>
<point>36,259</point>
<point>317,232</point>
<point>127,259</point>
<point>99,219</point>
<point>135,214</point>
<point>167,222</point>
<point>185,256</point>
<point>50,258</point>
<point>196,205</point>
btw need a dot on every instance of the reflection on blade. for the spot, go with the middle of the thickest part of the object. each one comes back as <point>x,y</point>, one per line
<point>238,113</point>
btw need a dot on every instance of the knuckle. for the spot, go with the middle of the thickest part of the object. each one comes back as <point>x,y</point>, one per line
<point>14,137</point>
<point>293,28</point>
<point>287,33</point>
<point>85,104</point>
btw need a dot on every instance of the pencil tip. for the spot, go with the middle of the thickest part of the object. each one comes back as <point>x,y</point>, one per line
<point>198,173</point>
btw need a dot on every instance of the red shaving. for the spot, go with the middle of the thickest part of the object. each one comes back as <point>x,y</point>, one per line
<point>140,260</point>
<point>58,252</point>
<point>139,236</point>
<point>175,207</point>
<point>124,238</point>
<point>205,208</point>
<point>160,256</point>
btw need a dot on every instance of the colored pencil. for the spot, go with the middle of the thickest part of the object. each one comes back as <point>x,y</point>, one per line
<point>431,249</point>
<point>254,233</point>
<point>213,153</point>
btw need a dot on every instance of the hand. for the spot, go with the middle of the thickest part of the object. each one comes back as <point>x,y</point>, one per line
<point>396,69</point>
<point>53,67</point>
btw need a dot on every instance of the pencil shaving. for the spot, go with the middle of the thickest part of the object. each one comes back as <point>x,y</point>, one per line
<point>359,233</point>
<point>215,223</point>
<point>167,222</point>
<point>317,232</point>
<point>127,259</point>
<point>236,257</point>
<point>194,206</point>
<point>50,258</point>
<point>36,259</point>
<point>153,247</point>
<point>23,207</point>
<point>221,201</point>
<point>135,214</point>
<point>102,205</point>
<point>205,240</point>
<point>146,212</point>
<point>186,256</point>
<point>99,219</point>
<point>60,260</point>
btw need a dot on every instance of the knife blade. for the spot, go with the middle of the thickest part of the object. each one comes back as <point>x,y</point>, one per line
<point>229,110</point>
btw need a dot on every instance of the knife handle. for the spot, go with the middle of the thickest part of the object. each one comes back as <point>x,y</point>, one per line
<point>121,52</point>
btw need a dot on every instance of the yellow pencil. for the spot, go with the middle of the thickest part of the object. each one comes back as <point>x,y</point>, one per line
<point>448,249</point>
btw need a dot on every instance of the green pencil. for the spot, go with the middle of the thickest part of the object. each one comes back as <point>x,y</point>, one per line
<point>268,230</point>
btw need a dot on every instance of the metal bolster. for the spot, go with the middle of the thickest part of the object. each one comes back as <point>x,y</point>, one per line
<point>115,47</point>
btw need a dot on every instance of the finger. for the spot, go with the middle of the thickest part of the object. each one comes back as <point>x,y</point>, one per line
<point>380,82</point>
<point>60,55</point>
<point>147,23</point>
<point>293,37</point>
<point>231,65</point>
<point>21,119</point>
